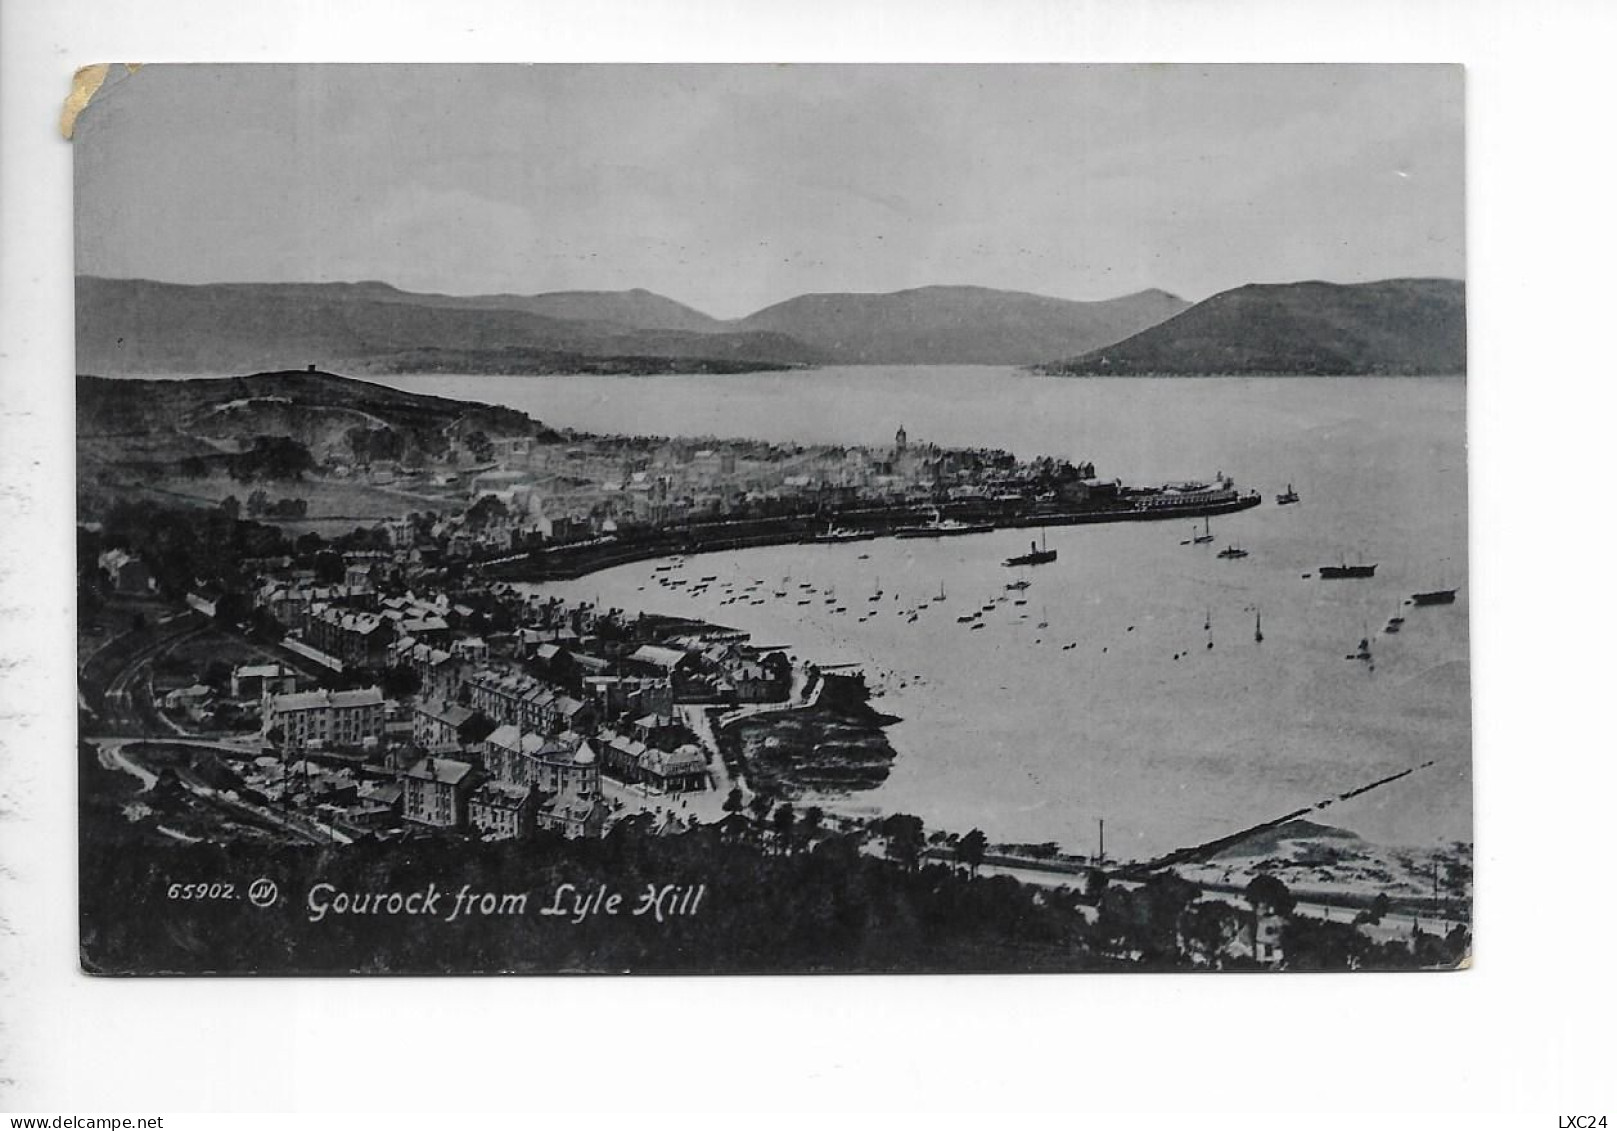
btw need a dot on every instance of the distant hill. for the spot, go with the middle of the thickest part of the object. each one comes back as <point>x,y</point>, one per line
<point>963,325</point>
<point>304,405</point>
<point>1397,327</point>
<point>133,327</point>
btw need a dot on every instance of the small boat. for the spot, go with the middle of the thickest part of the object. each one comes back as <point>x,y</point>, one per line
<point>912,618</point>
<point>1020,601</point>
<point>1287,496</point>
<point>1232,551</point>
<point>1394,625</point>
<point>967,619</point>
<point>1206,535</point>
<point>976,626</point>
<point>1364,647</point>
<point>1044,618</point>
<point>1024,583</point>
<point>1435,597</point>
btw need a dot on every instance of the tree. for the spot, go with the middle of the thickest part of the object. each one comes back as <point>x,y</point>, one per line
<point>400,682</point>
<point>906,837</point>
<point>760,805</point>
<point>478,444</point>
<point>971,849</point>
<point>1209,929</point>
<point>329,568</point>
<point>1267,892</point>
<point>811,820</point>
<point>785,823</point>
<point>257,502</point>
<point>230,507</point>
<point>487,509</point>
<point>733,802</point>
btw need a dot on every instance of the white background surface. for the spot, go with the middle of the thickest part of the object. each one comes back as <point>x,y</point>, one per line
<point>1528,1029</point>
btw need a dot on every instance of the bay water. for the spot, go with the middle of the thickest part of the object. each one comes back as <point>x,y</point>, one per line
<point>1118,709</point>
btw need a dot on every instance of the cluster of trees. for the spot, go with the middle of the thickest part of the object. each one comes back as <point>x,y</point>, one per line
<point>369,444</point>
<point>181,544</point>
<point>259,503</point>
<point>270,457</point>
<point>486,510</point>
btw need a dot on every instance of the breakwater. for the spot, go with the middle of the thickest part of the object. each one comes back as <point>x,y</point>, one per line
<point>575,560</point>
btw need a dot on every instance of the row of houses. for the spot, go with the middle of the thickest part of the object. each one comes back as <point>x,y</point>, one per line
<point>320,719</point>
<point>524,783</point>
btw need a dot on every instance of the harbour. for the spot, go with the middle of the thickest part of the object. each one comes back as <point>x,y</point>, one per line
<point>1112,701</point>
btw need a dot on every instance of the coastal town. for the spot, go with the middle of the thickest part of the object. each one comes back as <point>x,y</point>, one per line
<point>397,682</point>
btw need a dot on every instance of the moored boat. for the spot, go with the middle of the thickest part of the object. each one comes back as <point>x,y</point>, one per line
<point>941,527</point>
<point>1345,570</point>
<point>1435,597</point>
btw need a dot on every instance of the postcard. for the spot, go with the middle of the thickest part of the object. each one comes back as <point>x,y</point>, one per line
<point>771,519</point>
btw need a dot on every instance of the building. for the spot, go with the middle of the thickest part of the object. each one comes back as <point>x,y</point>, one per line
<point>327,718</point>
<point>440,726</point>
<point>674,771</point>
<point>126,573</point>
<point>205,598</point>
<point>528,703</point>
<point>437,792</point>
<point>254,681</point>
<point>503,812</point>
<point>358,639</point>
<point>669,771</point>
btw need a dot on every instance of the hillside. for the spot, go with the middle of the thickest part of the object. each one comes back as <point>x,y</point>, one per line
<point>1397,327</point>
<point>135,327</point>
<point>962,325</point>
<point>308,406</point>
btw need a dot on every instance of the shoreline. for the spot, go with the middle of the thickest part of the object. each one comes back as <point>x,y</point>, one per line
<point>568,563</point>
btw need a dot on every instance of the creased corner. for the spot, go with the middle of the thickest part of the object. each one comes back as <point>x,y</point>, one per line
<point>86,81</point>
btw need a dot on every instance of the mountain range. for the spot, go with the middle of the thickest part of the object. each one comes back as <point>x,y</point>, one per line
<point>135,327</point>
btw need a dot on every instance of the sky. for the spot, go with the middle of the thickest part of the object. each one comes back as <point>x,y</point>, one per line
<point>733,187</point>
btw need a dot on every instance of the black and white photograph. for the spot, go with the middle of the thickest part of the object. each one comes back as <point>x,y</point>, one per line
<point>723,519</point>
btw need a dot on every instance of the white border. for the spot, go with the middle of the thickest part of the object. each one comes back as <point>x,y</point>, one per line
<point>1527,1030</point>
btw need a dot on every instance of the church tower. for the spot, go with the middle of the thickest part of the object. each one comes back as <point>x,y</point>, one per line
<point>902,440</point>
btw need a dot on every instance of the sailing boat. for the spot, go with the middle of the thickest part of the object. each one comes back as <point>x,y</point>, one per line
<point>876,596</point>
<point>1206,535</point>
<point>941,595</point>
<point>1044,617</point>
<point>1257,633</point>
